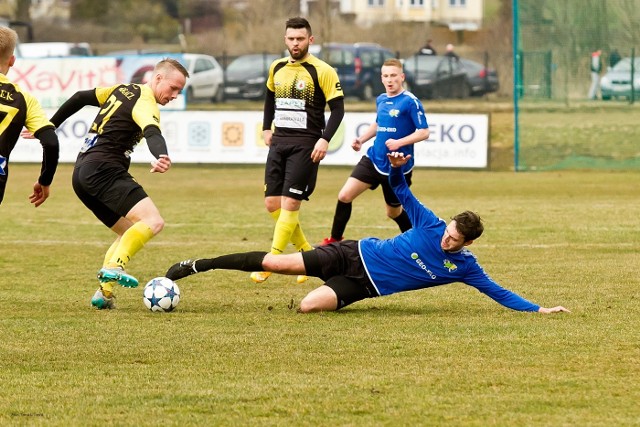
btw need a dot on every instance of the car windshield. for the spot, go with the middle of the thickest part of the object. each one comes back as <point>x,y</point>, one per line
<point>250,62</point>
<point>422,63</point>
<point>625,65</point>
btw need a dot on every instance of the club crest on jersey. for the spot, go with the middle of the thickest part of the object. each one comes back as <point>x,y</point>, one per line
<point>394,112</point>
<point>449,265</point>
<point>300,85</point>
<point>3,165</point>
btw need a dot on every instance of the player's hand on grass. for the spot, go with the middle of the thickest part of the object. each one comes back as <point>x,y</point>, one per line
<point>162,164</point>
<point>558,309</point>
<point>39,195</point>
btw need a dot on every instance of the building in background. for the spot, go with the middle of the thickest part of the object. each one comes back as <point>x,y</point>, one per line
<point>458,15</point>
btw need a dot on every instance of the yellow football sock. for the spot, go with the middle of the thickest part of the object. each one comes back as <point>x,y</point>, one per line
<point>107,288</point>
<point>285,226</point>
<point>110,251</point>
<point>299,240</point>
<point>130,243</point>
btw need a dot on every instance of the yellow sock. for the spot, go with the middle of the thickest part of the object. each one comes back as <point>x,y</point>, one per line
<point>130,243</point>
<point>299,240</point>
<point>110,251</point>
<point>297,237</point>
<point>285,226</point>
<point>107,288</point>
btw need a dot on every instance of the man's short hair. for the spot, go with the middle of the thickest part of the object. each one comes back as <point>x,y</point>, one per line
<point>168,63</point>
<point>469,224</point>
<point>297,23</point>
<point>392,62</point>
<point>8,41</point>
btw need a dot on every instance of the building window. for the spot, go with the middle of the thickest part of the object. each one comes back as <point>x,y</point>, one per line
<point>375,3</point>
<point>457,3</point>
<point>416,3</point>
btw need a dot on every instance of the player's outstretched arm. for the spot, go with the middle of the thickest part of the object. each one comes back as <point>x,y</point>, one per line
<point>558,309</point>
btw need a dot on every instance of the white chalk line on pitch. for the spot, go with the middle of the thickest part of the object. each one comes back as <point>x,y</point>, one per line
<point>192,242</point>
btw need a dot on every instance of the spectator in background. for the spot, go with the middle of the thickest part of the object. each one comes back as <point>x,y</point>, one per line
<point>427,49</point>
<point>596,67</point>
<point>451,53</point>
<point>614,58</point>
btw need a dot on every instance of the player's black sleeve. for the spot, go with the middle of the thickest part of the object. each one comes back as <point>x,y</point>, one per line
<point>74,104</point>
<point>155,141</point>
<point>337,113</point>
<point>269,110</point>
<point>51,151</point>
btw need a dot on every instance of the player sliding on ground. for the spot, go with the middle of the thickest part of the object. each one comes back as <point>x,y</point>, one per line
<point>432,253</point>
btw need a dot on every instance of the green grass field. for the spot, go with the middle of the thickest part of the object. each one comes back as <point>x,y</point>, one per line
<point>235,353</point>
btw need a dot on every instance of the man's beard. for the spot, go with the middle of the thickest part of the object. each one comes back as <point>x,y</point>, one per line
<point>300,55</point>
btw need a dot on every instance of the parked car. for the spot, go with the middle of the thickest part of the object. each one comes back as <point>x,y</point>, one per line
<point>246,76</point>
<point>434,76</point>
<point>481,79</point>
<point>358,66</point>
<point>53,50</point>
<point>206,78</point>
<point>617,81</point>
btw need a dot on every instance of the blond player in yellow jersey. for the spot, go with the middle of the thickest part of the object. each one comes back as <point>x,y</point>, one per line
<point>101,176</point>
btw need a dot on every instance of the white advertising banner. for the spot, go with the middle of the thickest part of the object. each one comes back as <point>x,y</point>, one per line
<point>456,141</point>
<point>53,80</point>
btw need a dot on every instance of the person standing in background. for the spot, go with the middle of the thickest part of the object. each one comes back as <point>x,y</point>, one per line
<point>614,58</point>
<point>596,67</point>
<point>427,49</point>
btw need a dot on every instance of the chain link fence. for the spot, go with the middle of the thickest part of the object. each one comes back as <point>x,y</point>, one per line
<point>577,84</point>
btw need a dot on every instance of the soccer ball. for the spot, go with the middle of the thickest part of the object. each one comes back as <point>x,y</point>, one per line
<point>161,294</point>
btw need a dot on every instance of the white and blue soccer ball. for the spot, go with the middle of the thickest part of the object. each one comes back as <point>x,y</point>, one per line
<point>161,294</point>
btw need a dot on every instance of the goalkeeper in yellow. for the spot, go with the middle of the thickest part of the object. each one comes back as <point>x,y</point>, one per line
<point>299,87</point>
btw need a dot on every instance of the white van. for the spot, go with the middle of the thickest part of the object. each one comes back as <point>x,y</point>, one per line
<point>52,50</point>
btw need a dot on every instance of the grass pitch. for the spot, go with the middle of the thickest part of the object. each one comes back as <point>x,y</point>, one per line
<point>235,353</point>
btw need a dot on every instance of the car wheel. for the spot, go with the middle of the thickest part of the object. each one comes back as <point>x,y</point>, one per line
<point>465,91</point>
<point>219,96</point>
<point>367,93</point>
<point>190,97</point>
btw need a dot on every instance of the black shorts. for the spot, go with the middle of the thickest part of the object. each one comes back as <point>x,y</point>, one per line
<point>365,171</point>
<point>290,171</point>
<point>108,190</point>
<point>340,266</point>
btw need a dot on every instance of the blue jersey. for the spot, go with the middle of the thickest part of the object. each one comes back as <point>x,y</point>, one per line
<point>415,260</point>
<point>397,117</point>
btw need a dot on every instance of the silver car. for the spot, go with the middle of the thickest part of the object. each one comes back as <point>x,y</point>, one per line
<point>617,82</point>
<point>206,78</point>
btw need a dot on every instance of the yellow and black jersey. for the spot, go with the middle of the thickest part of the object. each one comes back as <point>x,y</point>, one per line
<point>302,90</point>
<point>125,111</point>
<point>18,109</point>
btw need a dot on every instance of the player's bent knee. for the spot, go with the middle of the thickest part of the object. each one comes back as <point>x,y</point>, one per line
<point>156,224</point>
<point>320,299</point>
